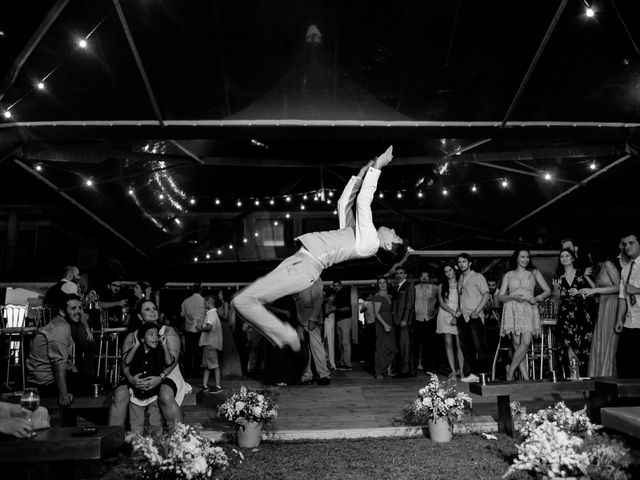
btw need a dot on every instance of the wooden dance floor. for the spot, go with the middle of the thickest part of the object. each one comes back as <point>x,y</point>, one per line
<point>354,405</point>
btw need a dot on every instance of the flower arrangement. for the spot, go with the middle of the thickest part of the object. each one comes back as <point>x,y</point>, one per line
<point>182,454</point>
<point>558,443</point>
<point>437,400</point>
<point>249,406</point>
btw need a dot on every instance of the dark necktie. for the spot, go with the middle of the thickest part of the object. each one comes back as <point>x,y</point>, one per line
<point>632,298</point>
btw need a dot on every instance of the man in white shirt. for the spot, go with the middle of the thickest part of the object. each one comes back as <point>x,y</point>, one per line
<point>425,347</point>
<point>193,313</point>
<point>628,322</point>
<point>356,238</point>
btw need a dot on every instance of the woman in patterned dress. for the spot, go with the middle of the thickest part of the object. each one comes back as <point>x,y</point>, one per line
<point>520,316</point>
<point>575,320</point>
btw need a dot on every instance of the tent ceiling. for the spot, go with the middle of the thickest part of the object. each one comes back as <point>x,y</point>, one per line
<point>242,99</point>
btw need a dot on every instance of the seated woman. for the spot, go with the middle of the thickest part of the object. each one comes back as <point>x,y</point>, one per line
<point>173,388</point>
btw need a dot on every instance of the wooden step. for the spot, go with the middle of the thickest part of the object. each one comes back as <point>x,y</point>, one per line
<point>623,419</point>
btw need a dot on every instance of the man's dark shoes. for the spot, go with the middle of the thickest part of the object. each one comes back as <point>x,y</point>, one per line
<point>324,381</point>
<point>302,355</point>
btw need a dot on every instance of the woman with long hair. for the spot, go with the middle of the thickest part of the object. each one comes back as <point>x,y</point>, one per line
<point>173,388</point>
<point>231,363</point>
<point>385,334</point>
<point>447,313</point>
<point>575,321</point>
<point>520,315</point>
<point>602,359</point>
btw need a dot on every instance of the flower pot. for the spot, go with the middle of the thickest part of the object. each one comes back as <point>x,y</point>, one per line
<point>440,429</point>
<point>249,434</point>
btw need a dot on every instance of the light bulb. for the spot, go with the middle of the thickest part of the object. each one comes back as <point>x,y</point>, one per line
<point>244,240</point>
<point>192,201</point>
<point>445,192</point>
<point>288,215</point>
<point>131,191</point>
<point>217,202</point>
<point>88,182</point>
<point>302,207</point>
<point>275,223</point>
<point>474,189</point>
<point>7,114</point>
<point>195,259</point>
<point>208,256</point>
<point>593,166</point>
<point>38,168</point>
<point>419,194</point>
<point>504,183</point>
<point>381,195</point>
<point>399,195</point>
<point>257,202</point>
<point>40,85</point>
<point>82,43</point>
<point>547,176</point>
<point>219,252</point>
<point>589,12</point>
<point>239,203</point>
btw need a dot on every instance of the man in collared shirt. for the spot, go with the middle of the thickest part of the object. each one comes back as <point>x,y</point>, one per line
<point>50,363</point>
<point>473,293</point>
<point>356,238</point>
<point>193,313</point>
<point>402,309</point>
<point>424,326</point>
<point>342,311</point>
<point>628,321</point>
<point>113,300</point>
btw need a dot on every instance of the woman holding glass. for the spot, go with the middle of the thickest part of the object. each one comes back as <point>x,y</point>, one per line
<point>520,315</point>
<point>575,321</point>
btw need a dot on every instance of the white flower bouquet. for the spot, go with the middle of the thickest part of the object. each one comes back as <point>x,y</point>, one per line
<point>249,406</point>
<point>181,454</point>
<point>437,400</point>
<point>559,443</point>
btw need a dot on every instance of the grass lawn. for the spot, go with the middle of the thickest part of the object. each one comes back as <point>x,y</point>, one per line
<point>467,456</point>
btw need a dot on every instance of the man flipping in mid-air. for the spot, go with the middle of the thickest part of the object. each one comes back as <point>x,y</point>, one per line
<point>356,238</point>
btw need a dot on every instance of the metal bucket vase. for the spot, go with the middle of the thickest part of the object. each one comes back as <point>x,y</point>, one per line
<point>249,434</point>
<point>440,429</point>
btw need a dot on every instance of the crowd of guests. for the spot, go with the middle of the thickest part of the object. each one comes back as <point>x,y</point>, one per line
<point>405,326</point>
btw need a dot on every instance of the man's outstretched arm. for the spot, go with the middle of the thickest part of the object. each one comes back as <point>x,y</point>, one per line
<point>345,204</point>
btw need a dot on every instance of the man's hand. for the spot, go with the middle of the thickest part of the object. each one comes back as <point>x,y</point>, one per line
<point>65,399</point>
<point>631,290</point>
<point>16,426</point>
<point>384,159</point>
<point>403,323</point>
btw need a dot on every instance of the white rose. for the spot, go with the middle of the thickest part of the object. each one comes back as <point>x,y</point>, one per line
<point>239,406</point>
<point>257,411</point>
<point>199,465</point>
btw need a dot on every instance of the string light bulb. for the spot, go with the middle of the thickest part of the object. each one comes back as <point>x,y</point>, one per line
<point>244,240</point>
<point>420,194</point>
<point>230,246</point>
<point>504,183</point>
<point>593,166</point>
<point>39,167</point>
<point>399,194</point>
<point>302,207</point>
<point>219,252</point>
<point>88,182</point>
<point>40,85</point>
<point>239,203</point>
<point>6,114</point>
<point>547,176</point>
<point>195,259</point>
<point>82,43</point>
<point>288,198</point>
<point>275,222</point>
<point>208,256</point>
<point>257,202</point>
<point>589,12</point>
<point>161,196</point>
<point>288,215</point>
<point>380,195</point>
<point>445,192</point>
<point>255,234</point>
<point>474,189</point>
<point>192,201</point>
<point>177,220</point>
<point>272,202</point>
<point>304,197</point>
<point>217,201</point>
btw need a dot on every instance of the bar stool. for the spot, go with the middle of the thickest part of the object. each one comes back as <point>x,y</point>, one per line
<point>544,349</point>
<point>109,354</point>
<point>13,331</point>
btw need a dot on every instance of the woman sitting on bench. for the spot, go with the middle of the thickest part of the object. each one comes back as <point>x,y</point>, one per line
<point>173,388</point>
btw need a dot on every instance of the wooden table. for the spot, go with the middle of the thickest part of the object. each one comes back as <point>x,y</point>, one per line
<point>57,443</point>
<point>504,390</point>
<point>53,452</point>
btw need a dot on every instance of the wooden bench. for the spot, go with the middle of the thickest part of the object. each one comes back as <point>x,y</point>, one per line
<point>504,390</point>
<point>613,391</point>
<point>623,419</point>
<point>53,452</point>
<point>69,415</point>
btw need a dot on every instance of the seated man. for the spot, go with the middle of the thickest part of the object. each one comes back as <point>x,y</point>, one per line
<point>14,423</point>
<point>356,238</point>
<point>50,364</point>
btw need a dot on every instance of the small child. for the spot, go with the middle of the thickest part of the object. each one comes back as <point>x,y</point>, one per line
<point>211,343</point>
<point>147,360</point>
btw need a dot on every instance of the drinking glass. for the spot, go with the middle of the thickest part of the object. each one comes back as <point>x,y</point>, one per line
<point>29,401</point>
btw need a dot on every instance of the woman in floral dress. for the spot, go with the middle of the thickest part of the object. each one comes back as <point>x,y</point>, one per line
<point>575,318</point>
